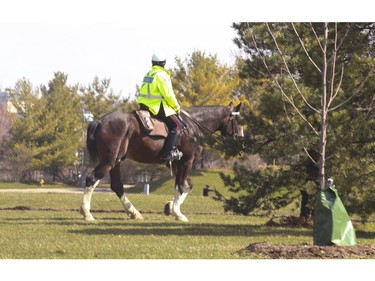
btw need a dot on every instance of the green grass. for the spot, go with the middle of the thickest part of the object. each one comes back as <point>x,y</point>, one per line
<point>52,228</point>
<point>199,178</point>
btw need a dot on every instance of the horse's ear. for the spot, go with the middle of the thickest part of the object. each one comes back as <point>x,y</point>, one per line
<point>238,107</point>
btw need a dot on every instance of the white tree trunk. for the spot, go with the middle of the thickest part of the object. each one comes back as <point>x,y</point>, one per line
<point>324,111</point>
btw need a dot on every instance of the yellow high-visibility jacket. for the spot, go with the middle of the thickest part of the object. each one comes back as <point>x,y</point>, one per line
<point>156,89</point>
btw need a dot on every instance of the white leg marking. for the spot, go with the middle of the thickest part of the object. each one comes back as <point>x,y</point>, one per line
<point>177,201</point>
<point>129,208</point>
<point>86,202</point>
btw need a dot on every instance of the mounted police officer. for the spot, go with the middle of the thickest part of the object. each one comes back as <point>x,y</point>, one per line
<point>156,95</point>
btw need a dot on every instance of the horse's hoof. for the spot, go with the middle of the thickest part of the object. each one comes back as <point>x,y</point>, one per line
<point>136,216</point>
<point>168,208</point>
<point>88,218</point>
<point>182,218</point>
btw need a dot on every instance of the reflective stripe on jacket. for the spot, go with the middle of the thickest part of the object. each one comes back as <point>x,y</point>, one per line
<point>156,89</point>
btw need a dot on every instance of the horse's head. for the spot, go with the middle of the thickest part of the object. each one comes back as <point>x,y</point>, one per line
<point>229,125</point>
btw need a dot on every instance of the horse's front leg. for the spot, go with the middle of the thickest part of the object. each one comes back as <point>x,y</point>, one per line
<point>118,188</point>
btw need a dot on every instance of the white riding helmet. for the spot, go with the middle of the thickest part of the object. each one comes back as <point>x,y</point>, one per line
<point>158,57</point>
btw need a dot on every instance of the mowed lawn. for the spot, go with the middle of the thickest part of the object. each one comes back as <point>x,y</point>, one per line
<point>49,226</point>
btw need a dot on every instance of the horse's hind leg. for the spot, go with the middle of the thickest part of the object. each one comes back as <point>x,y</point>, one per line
<point>92,181</point>
<point>118,188</point>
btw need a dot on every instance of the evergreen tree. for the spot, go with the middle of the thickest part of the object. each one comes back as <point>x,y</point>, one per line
<point>60,126</point>
<point>20,146</point>
<point>202,80</point>
<point>49,128</point>
<point>100,99</point>
<point>282,71</point>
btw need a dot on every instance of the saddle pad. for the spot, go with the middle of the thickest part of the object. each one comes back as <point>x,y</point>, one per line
<point>151,126</point>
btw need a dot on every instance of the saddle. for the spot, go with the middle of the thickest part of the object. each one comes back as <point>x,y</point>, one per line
<point>150,125</point>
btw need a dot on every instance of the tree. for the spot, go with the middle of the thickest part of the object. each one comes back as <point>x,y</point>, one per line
<point>61,126</point>
<point>49,127</point>
<point>201,80</point>
<point>18,149</point>
<point>48,130</point>
<point>100,98</point>
<point>302,77</point>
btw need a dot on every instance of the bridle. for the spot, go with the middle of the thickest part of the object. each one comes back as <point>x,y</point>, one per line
<point>232,120</point>
<point>204,128</point>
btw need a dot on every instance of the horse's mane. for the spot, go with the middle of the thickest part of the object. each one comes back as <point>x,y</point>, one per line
<point>197,117</point>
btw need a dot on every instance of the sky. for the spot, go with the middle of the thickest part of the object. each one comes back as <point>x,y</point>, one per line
<point>119,51</point>
<point>115,39</point>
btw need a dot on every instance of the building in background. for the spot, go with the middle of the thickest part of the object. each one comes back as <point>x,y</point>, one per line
<point>5,102</point>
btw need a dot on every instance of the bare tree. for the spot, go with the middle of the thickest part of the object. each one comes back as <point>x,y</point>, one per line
<point>331,80</point>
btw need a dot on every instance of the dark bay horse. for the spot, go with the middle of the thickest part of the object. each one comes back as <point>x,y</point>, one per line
<point>118,135</point>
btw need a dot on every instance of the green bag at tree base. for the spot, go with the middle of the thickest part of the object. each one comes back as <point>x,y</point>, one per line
<point>332,225</point>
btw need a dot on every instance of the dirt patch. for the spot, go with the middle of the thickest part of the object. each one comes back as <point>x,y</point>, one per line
<point>306,251</point>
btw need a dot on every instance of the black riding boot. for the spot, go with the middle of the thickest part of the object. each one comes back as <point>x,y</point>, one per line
<point>171,153</point>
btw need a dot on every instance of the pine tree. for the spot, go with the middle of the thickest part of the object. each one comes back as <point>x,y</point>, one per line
<point>100,99</point>
<point>49,127</point>
<point>60,128</point>
<point>283,74</point>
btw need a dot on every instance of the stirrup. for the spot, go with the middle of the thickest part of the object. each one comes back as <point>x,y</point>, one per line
<point>175,154</point>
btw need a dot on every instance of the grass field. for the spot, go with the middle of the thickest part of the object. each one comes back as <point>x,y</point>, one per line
<point>48,226</point>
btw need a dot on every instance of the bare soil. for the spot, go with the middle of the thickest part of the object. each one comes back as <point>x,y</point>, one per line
<point>305,251</point>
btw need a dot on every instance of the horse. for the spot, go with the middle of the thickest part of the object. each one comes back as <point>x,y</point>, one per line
<point>119,135</point>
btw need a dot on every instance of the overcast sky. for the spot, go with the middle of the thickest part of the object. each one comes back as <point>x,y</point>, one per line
<point>115,39</point>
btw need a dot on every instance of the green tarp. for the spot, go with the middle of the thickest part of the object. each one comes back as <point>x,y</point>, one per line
<point>332,225</point>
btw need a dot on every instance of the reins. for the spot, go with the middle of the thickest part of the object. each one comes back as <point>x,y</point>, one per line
<point>205,129</point>
<point>196,122</point>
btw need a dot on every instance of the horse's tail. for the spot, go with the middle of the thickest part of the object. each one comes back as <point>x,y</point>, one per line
<point>90,140</point>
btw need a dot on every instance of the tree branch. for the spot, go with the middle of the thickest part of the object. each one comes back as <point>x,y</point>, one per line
<point>298,135</point>
<point>317,37</point>
<point>304,48</point>
<point>288,70</point>
<point>337,47</point>
<point>279,86</point>
<point>358,89</point>
<point>334,57</point>
<point>338,88</point>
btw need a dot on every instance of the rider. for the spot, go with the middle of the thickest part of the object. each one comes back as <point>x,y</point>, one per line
<point>156,95</point>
